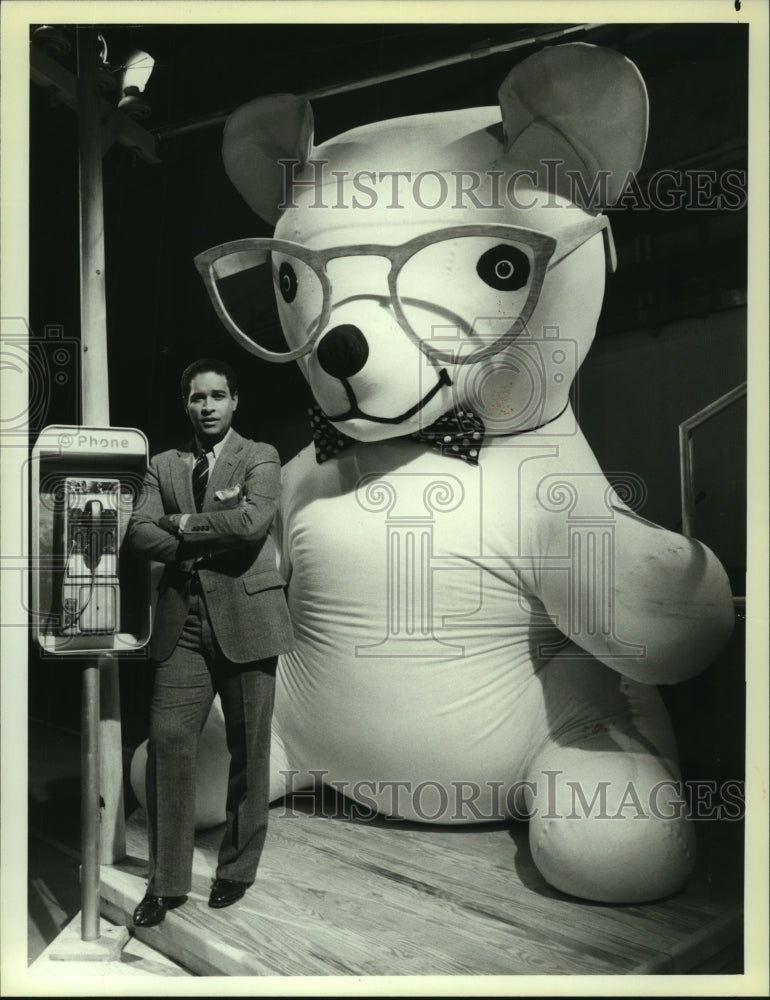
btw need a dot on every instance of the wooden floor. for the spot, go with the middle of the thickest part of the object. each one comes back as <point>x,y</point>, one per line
<point>335,896</point>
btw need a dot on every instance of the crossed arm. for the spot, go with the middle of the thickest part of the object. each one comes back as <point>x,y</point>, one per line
<point>153,529</point>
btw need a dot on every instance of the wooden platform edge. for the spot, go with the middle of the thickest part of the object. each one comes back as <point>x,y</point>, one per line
<point>190,946</point>
<point>722,936</point>
<point>177,937</point>
<point>163,965</point>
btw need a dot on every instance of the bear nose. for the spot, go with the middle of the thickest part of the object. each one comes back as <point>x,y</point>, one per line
<point>343,351</point>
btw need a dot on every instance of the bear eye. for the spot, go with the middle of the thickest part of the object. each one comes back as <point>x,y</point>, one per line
<point>504,267</point>
<point>287,282</point>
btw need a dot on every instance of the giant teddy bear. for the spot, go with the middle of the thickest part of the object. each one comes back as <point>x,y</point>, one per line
<point>481,617</point>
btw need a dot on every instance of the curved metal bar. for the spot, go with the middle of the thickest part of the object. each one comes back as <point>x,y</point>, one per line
<point>686,458</point>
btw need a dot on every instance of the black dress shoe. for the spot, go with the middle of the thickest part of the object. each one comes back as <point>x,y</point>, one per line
<point>152,909</point>
<point>225,891</point>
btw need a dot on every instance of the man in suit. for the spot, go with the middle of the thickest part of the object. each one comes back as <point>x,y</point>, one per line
<point>221,622</point>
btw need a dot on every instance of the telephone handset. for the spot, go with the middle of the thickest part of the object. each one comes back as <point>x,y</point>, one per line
<point>90,591</point>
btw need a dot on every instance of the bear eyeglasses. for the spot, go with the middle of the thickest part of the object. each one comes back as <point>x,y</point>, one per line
<point>443,285</point>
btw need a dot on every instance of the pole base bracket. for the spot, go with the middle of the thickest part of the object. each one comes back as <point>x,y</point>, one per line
<point>70,947</point>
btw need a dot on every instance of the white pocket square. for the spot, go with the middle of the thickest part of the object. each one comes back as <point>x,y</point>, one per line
<point>229,494</point>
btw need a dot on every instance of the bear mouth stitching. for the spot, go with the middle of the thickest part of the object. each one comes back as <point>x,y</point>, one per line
<point>356,411</point>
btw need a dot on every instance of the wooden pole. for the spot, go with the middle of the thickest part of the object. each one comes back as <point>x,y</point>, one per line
<point>103,832</point>
<point>93,307</point>
<point>113,819</point>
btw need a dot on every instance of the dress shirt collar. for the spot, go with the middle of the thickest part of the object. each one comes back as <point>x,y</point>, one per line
<point>213,451</point>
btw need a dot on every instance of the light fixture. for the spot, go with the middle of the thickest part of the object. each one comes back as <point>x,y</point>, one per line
<point>136,73</point>
<point>52,40</point>
<point>106,78</point>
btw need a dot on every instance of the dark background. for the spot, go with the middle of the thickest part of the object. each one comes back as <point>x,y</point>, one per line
<point>672,337</point>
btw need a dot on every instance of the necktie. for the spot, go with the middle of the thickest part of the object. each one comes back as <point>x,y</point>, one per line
<point>457,434</point>
<point>200,478</point>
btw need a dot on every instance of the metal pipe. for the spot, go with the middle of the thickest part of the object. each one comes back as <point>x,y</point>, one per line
<point>89,803</point>
<point>713,408</point>
<point>686,482</point>
<point>686,456</point>
<point>197,125</point>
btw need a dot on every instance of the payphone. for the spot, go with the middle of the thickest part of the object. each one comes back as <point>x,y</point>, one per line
<point>89,593</point>
<point>90,587</point>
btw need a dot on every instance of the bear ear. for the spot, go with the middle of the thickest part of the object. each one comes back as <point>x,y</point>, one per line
<point>258,135</point>
<point>583,106</point>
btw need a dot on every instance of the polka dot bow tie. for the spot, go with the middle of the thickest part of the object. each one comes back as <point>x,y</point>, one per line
<point>457,434</point>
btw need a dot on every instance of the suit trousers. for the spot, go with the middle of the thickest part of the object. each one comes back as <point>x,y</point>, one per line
<point>184,689</point>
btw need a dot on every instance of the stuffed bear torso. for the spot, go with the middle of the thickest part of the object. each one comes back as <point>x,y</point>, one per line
<point>402,625</point>
<point>421,639</point>
<point>479,635</point>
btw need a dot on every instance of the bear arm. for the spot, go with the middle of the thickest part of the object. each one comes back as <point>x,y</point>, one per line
<point>650,603</point>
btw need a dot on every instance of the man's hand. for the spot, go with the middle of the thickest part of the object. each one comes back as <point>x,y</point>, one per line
<point>170,523</point>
